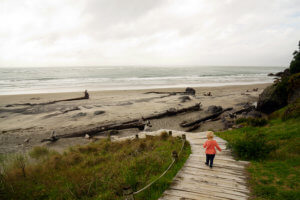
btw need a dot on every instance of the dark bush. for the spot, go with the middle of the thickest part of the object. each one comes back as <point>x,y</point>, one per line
<point>252,121</point>
<point>252,146</point>
<point>295,63</point>
<point>164,135</point>
<point>292,111</point>
<point>241,120</point>
<point>257,121</point>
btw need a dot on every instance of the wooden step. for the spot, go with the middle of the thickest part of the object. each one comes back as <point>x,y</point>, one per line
<point>196,181</point>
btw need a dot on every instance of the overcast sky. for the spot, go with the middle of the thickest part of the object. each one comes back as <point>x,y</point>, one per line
<point>148,32</point>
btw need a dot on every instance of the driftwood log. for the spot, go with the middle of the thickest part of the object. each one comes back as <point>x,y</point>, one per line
<point>137,123</point>
<point>169,112</point>
<point>184,124</point>
<point>188,91</point>
<point>247,109</point>
<point>193,127</point>
<point>173,111</point>
<point>86,96</point>
<point>96,130</point>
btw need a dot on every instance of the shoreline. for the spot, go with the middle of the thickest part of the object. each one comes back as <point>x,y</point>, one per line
<point>20,123</point>
<point>128,90</point>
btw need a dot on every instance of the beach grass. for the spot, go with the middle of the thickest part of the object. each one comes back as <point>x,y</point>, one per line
<point>99,170</point>
<point>274,174</point>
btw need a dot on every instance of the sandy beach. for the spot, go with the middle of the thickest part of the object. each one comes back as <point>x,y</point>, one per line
<point>20,121</point>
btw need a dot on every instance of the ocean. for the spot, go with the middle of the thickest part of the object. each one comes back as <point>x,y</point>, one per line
<point>71,79</point>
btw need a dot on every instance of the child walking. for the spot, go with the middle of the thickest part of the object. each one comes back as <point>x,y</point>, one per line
<point>210,151</point>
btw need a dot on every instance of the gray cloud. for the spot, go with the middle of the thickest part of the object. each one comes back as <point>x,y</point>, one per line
<point>148,32</point>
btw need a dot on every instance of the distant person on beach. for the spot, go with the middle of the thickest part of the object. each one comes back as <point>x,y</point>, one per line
<point>86,94</point>
<point>210,146</point>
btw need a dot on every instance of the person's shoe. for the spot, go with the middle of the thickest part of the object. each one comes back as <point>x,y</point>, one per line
<point>210,166</point>
<point>206,164</point>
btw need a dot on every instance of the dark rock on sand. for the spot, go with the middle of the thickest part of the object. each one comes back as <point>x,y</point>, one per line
<point>271,74</point>
<point>99,112</point>
<point>87,107</point>
<point>214,109</point>
<point>190,91</point>
<point>81,114</point>
<point>254,114</point>
<point>184,99</point>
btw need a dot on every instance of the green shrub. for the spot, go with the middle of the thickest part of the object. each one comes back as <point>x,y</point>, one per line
<point>257,121</point>
<point>282,89</point>
<point>268,192</point>
<point>20,162</point>
<point>292,111</point>
<point>164,135</point>
<point>252,146</point>
<point>295,63</point>
<point>241,120</point>
<point>252,121</point>
<point>295,66</point>
<point>37,152</point>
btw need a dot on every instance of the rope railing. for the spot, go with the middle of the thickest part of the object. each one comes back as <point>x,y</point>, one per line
<point>127,191</point>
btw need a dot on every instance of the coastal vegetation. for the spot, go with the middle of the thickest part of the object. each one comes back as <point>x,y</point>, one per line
<point>286,88</point>
<point>295,63</point>
<point>274,152</point>
<point>99,170</point>
<point>272,144</point>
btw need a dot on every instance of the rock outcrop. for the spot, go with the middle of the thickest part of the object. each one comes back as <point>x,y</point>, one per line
<point>271,99</point>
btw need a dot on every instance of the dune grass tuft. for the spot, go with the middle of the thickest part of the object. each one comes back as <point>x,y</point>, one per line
<point>95,171</point>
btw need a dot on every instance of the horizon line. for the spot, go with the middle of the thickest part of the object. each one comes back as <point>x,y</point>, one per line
<point>79,66</point>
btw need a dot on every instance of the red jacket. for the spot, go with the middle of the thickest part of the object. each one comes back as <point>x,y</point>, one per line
<point>210,146</point>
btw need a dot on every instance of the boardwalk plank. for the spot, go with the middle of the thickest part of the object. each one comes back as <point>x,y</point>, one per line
<point>225,181</point>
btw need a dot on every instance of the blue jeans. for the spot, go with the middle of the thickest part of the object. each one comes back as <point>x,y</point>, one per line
<point>210,159</point>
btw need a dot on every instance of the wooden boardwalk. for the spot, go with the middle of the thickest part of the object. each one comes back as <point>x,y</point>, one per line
<point>196,181</point>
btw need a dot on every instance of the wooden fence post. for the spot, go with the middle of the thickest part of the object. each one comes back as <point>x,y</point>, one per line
<point>170,133</point>
<point>128,193</point>
<point>175,155</point>
<point>137,136</point>
<point>108,136</point>
<point>183,136</point>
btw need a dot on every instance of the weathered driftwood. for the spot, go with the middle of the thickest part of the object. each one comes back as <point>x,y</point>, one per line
<point>204,118</point>
<point>51,139</point>
<point>173,111</point>
<point>136,123</point>
<point>86,96</point>
<point>71,109</point>
<point>188,91</point>
<point>171,93</point>
<point>169,112</point>
<point>247,109</point>
<point>193,127</point>
<point>94,131</point>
